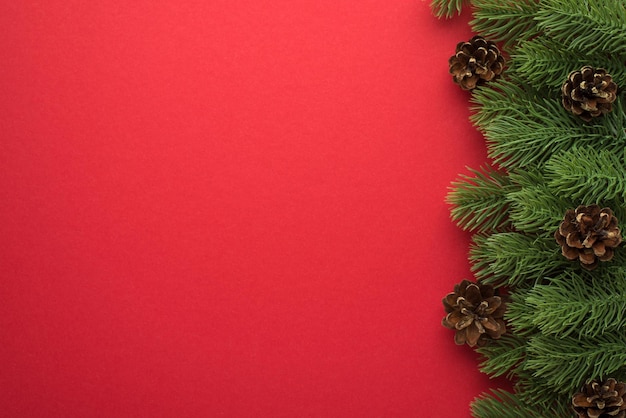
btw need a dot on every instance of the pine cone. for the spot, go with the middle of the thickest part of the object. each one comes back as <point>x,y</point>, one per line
<point>475,62</point>
<point>475,312</point>
<point>589,234</point>
<point>589,93</point>
<point>601,400</point>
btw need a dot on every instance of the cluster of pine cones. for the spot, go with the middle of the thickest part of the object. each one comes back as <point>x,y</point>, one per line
<point>587,93</point>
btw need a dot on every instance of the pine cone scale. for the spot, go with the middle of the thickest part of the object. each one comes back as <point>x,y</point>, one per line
<point>600,249</point>
<point>473,334</point>
<point>490,324</point>
<point>575,240</point>
<point>472,294</point>
<point>494,303</point>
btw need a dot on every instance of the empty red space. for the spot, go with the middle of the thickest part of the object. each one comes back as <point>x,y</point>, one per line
<point>231,209</point>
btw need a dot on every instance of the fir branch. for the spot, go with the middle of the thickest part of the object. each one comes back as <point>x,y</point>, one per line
<point>577,174</point>
<point>479,202</point>
<point>447,8</point>
<point>519,316</point>
<point>592,25</point>
<point>534,391</point>
<point>509,22</point>
<point>563,364</point>
<point>504,96</point>
<point>585,306</point>
<point>534,207</point>
<point>523,141</point>
<point>511,258</point>
<point>544,62</point>
<point>502,356</point>
<point>524,127</point>
<point>536,210</point>
<point>522,138</point>
<point>502,404</point>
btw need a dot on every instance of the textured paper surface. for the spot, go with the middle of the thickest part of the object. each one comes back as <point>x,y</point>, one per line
<point>230,208</point>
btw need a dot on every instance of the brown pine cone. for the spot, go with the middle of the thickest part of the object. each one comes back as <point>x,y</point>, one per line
<point>589,234</point>
<point>475,62</point>
<point>601,400</point>
<point>475,312</point>
<point>589,93</point>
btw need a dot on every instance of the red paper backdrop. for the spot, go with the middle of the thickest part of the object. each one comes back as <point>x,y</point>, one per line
<point>230,208</point>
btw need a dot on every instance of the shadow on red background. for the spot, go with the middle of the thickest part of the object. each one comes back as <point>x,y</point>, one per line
<point>217,208</point>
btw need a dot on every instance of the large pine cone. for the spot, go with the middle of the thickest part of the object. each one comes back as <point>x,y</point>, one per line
<point>475,312</point>
<point>475,62</point>
<point>588,234</point>
<point>589,93</point>
<point>601,400</point>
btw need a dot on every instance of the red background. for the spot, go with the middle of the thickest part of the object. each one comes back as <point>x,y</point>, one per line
<point>230,208</point>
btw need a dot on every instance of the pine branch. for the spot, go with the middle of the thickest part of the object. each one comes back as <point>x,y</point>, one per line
<point>592,26</point>
<point>504,96</point>
<point>535,393</point>
<point>583,306</point>
<point>511,258</point>
<point>447,8</point>
<point>535,208</point>
<point>563,364</point>
<point>502,404</point>
<point>525,127</point>
<point>509,22</point>
<point>530,139</point>
<point>523,141</point>
<point>544,62</point>
<point>519,316</point>
<point>479,202</point>
<point>503,356</point>
<point>577,174</point>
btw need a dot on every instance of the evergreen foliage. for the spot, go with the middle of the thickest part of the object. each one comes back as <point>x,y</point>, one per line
<point>501,404</point>
<point>541,68</point>
<point>567,325</point>
<point>575,305</point>
<point>479,202</point>
<point>511,258</point>
<point>447,8</point>
<point>505,21</point>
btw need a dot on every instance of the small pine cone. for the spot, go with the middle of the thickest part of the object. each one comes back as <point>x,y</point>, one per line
<point>589,234</point>
<point>589,93</point>
<point>475,312</point>
<point>475,62</point>
<point>601,400</point>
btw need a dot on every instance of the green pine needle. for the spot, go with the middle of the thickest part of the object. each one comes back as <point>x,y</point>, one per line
<point>585,306</point>
<point>511,258</point>
<point>501,357</point>
<point>535,208</point>
<point>479,202</point>
<point>591,26</point>
<point>447,8</point>
<point>564,364</point>
<point>544,62</point>
<point>576,174</point>
<point>502,404</point>
<point>509,22</point>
